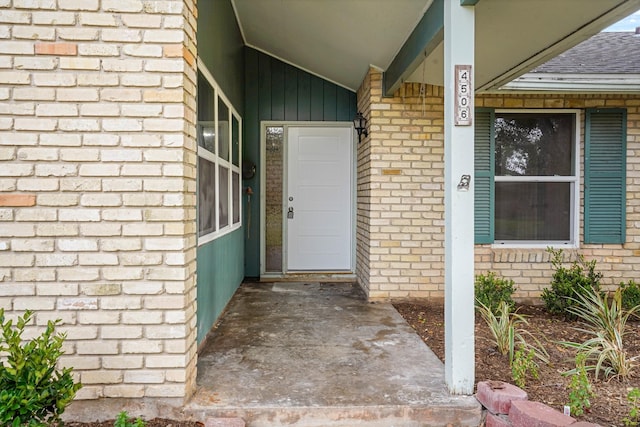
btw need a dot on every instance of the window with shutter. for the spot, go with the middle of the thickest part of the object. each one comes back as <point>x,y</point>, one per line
<point>527,176</point>
<point>605,175</point>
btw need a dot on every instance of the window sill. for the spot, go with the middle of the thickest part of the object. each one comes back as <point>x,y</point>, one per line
<point>534,245</point>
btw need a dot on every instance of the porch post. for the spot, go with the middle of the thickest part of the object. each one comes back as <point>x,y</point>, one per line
<point>458,160</point>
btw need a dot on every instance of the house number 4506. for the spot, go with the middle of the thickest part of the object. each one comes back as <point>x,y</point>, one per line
<point>464,96</point>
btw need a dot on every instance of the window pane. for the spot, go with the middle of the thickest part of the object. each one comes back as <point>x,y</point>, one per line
<point>207,135</point>
<point>534,144</point>
<point>206,97</point>
<point>223,130</point>
<point>236,197</point>
<point>533,211</point>
<point>273,199</point>
<point>206,128</point>
<point>235,139</point>
<point>206,196</point>
<point>223,192</point>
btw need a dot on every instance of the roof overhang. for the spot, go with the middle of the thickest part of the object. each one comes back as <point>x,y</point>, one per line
<point>570,83</point>
<point>340,39</point>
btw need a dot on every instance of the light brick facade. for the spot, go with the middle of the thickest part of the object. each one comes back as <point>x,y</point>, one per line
<point>97,186</point>
<point>400,195</point>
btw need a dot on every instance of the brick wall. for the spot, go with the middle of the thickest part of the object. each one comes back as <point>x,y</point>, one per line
<point>97,186</point>
<point>400,191</point>
<point>371,86</point>
<point>401,195</point>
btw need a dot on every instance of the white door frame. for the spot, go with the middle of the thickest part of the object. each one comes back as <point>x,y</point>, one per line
<point>262,172</point>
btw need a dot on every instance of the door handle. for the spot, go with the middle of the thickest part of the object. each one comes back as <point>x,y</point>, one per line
<point>290,213</point>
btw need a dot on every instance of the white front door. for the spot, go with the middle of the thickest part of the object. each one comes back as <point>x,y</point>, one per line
<point>319,199</point>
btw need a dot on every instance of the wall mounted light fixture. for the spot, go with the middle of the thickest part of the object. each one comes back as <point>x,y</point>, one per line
<point>360,125</point>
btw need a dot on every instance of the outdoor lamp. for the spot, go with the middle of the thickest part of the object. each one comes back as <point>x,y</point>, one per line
<point>360,124</point>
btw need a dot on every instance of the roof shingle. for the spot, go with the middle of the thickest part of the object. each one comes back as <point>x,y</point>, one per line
<point>604,53</point>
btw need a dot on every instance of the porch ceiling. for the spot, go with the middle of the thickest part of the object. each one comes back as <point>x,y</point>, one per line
<point>339,39</point>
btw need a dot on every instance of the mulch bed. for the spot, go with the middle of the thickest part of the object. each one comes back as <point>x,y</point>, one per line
<point>156,422</point>
<point>609,406</point>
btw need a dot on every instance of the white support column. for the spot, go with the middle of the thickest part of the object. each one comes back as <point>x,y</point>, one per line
<point>459,40</point>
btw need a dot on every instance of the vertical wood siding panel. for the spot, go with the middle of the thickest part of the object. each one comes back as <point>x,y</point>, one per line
<point>304,96</point>
<point>353,105</point>
<point>290,93</point>
<point>330,101</point>
<point>317,99</point>
<point>252,93</point>
<point>342,105</point>
<point>264,91</point>
<point>277,90</point>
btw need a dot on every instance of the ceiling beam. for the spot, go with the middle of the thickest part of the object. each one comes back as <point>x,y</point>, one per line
<point>426,36</point>
<point>468,2</point>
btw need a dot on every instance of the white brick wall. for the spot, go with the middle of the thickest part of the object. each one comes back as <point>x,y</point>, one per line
<point>95,194</point>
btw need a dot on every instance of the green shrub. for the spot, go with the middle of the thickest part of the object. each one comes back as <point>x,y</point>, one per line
<point>507,330</point>
<point>630,294</point>
<point>33,392</point>
<point>605,321</point>
<point>491,291</point>
<point>580,390</point>
<point>123,420</point>
<point>633,397</point>
<point>522,365</point>
<point>569,283</point>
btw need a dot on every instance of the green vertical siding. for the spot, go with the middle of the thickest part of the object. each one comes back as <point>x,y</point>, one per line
<point>220,263</point>
<point>278,91</point>
<point>221,48</point>
<point>220,271</point>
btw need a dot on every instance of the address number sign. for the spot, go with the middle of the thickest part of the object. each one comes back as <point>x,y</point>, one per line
<point>464,95</point>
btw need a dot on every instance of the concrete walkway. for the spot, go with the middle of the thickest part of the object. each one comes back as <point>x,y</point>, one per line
<point>292,354</point>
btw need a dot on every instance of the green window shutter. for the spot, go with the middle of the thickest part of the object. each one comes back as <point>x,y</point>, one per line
<point>605,175</point>
<point>484,161</point>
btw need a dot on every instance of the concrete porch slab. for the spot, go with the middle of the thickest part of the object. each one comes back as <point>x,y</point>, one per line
<point>296,354</point>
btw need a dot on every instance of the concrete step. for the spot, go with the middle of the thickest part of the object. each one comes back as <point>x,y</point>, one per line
<point>463,414</point>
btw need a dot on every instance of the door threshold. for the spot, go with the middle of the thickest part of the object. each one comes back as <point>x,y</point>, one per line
<point>309,277</point>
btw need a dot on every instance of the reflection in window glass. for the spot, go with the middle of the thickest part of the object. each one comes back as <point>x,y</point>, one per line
<point>235,195</point>
<point>235,141</point>
<point>206,196</point>
<point>223,206</point>
<point>206,100</point>
<point>535,176</point>
<point>534,144</point>
<point>274,198</point>
<point>223,130</point>
<point>533,211</point>
<point>207,136</point>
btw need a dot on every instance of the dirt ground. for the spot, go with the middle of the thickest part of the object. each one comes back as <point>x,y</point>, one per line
<point>609,406</point>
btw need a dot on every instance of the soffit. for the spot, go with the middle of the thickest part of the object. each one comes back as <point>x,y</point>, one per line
<point>335,39</point>
<point>339,39</point>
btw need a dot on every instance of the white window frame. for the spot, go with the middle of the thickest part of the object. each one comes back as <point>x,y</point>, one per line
<point>574,180</point>
<point>220,162</point>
